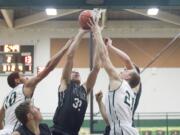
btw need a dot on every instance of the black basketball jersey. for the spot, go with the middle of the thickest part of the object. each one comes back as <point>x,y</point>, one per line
<point>44,130</point>
<point>71,109</point>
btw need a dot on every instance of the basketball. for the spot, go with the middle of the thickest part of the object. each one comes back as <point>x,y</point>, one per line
<point>84,18</point>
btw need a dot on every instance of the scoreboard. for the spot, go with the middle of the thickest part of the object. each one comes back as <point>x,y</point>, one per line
<point>16,58</point>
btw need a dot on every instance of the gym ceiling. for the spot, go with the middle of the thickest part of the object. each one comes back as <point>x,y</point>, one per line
<point>22,13</point>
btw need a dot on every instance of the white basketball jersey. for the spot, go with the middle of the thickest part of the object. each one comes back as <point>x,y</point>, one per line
<point>119,108</point>
<point>15,97</point>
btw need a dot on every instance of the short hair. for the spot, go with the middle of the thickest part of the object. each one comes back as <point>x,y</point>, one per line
<point>11,79</point>
<point>22,110</point>
<point>134,80</point>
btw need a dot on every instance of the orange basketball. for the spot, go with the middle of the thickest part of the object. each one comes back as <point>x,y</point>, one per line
<point>84,18</point>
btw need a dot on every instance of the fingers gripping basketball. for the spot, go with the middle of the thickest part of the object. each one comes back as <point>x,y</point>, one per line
<point>84,18</point>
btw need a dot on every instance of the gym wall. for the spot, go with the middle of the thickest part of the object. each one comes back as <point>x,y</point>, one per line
<point>160,85</point>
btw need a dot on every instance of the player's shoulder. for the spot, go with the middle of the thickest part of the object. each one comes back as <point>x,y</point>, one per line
<point>125,86</point>
<point>18,88</point>
<point>115,84</point>
<point>83,86</point>
<point>84,90</point>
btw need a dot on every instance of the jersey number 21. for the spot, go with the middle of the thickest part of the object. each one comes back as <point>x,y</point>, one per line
<point>129,100</point>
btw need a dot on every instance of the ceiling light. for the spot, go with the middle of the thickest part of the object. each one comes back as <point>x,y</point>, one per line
<point>152,11</point>
<point>51,11</point>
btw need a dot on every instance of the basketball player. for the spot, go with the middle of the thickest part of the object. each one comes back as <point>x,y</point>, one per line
<point>73,96</point>
<point>30,117</point>
<point>128,65</point>
<point>102,108</point>
<point>120,98</point>
<point>21,89</point>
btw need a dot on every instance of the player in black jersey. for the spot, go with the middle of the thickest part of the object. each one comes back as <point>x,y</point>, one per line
<point>72,95</point>
<point>30,117</point>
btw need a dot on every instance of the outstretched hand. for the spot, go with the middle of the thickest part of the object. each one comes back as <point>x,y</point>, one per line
<point>93,24</point>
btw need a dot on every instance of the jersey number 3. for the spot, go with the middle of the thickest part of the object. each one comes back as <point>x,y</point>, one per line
<point>77,103</point>
<point>9,101</point>
<point>129,100</point>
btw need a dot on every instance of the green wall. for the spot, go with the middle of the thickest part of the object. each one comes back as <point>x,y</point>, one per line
<point>152,126</point>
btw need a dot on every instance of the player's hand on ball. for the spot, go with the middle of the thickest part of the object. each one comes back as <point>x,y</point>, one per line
<point>93,24</point>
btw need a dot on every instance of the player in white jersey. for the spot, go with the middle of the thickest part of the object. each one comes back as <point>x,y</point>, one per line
<point>120,98</point>
<point>16,95</point>
<point>101,105</point>
<point>23,88</point>
<point>119,109</point>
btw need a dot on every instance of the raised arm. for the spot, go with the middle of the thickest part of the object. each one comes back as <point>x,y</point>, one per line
<point>66,74</point>
<point>93,74</point>
<point>102,108</point>
<point>2,114</point>
<point>104,56</point>
<point>31,83</point>
<point>121,55</point>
